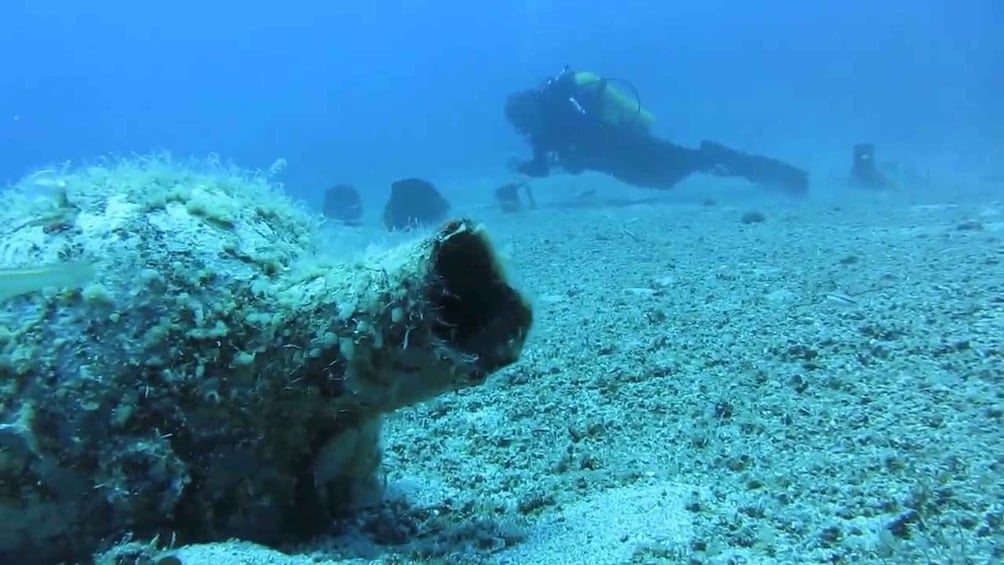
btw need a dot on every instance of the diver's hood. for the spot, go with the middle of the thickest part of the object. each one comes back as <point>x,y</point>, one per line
<point>521,110</point>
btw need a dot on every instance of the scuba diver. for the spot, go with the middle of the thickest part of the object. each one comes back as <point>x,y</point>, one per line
<point>579,121</point>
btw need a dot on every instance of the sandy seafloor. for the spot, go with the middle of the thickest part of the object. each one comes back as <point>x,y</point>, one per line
<point>824,386</point>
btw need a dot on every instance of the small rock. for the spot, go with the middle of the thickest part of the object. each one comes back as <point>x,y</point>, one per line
<point>753,217</point>
<point>781,296</point>
<point>668,280</point>
<point>850,260</point>
<point>342,203</point>
<point>640,292</point>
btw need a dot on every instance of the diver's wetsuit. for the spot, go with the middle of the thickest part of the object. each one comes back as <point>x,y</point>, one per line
<point>564,125</point>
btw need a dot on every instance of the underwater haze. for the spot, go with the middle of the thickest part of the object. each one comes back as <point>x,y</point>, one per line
<point>366,92</point>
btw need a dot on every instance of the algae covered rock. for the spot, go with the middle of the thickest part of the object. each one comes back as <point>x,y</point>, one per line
<point>342,203</point>
<point>414,203</point>
<point>213,377</point>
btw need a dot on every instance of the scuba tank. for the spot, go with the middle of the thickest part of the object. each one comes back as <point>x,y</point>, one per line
<point>616,108</point>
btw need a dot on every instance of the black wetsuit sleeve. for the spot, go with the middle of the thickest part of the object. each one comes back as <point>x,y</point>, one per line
<point>537,166</point>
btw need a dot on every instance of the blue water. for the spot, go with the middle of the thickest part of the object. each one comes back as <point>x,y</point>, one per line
<point>366,92</point>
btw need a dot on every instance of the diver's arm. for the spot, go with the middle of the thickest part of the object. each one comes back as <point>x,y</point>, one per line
<point>537,166</point>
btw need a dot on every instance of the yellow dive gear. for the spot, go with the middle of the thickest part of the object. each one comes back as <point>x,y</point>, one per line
<point>617,109</point>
